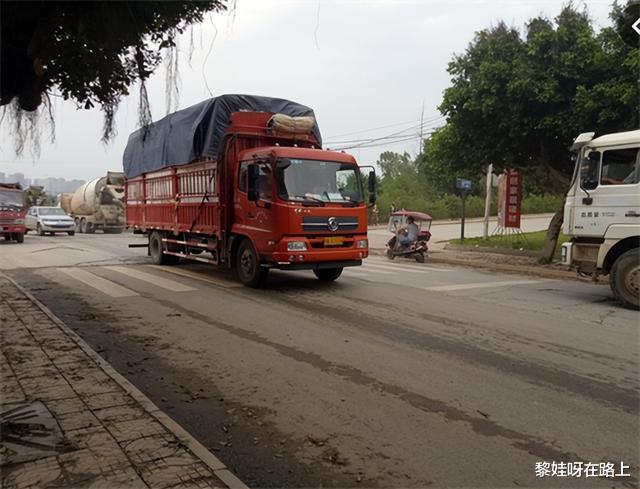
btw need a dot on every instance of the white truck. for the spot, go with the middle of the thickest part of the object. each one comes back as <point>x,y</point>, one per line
<point>98,204</point>
<point>602,212</point>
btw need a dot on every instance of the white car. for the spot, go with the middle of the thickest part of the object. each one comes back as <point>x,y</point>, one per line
<point>49,220</point>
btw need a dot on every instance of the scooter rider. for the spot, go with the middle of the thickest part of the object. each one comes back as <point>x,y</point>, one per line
<point>409,234</point>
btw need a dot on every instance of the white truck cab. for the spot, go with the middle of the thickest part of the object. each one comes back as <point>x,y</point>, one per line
<point>602,212</point>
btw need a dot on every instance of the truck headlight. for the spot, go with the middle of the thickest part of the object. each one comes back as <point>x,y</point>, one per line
<point>296,246</point>
<point>362,243</point>
<point>19,221</point>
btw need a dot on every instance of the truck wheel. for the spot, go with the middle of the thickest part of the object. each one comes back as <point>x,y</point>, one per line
<point>248,269</point>
<point>39,230</point>
<point>155,251</point>
<point>78,228</point>
<point>7,237</point>
<point>625,279</point>
<point>90,228</point>
<point>19,238</point>
<point>328,274</point>
<point>83,225</point>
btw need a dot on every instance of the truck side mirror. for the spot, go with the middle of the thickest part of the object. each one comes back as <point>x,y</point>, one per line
<point>372,184</point>
<point>253,175</point>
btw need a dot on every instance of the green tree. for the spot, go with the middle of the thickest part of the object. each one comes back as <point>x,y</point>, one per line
<point>89,52</point>
<point>519,101</point>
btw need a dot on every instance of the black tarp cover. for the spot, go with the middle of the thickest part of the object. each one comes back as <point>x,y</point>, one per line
<point>197,131</point>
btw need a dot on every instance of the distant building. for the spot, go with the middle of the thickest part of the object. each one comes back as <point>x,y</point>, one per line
<point>52,186</point>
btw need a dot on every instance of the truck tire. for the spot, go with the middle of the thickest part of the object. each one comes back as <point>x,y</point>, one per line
<point>624,279</point>
<point>39,230</point>
<point>90,228</point>
<point>247,266</point>
<point>83,225</point>
<point>328,274</point>
<point>19,238</point>
<point>156,248</point>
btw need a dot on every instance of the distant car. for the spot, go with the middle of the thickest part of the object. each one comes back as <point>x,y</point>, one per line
<point>49,220</point>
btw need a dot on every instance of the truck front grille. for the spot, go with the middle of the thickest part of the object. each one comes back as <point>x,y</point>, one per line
<point>321,223</point>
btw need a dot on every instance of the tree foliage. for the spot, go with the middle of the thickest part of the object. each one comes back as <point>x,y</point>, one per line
<point>89,52</point>
<point>519,100</point>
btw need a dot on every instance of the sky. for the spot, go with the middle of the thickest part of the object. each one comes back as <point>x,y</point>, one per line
<point>368,68</point>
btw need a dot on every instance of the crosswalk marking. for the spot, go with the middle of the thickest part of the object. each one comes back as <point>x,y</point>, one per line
<point>103,285</point>
<point>364,269</point>
<point>197,276</point>
<point>396,266</point>
<point>480,285</point>
<point>396,269</point>
<point>164,283</point>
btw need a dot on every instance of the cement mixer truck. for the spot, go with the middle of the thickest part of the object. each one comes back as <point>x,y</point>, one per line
<point>98,204</point>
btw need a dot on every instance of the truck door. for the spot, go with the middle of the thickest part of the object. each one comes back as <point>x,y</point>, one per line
<point>609,178</point>
<point>255,218</point>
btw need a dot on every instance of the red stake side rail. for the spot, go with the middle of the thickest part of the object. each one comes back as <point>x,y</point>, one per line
<point>177,199</point>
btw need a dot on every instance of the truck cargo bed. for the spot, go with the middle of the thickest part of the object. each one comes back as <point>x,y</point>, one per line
<point>180,199</point>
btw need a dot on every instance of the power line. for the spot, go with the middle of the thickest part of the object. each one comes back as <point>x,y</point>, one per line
<point>387,141</point>
<point>414,121</point>
<point>398,135</point>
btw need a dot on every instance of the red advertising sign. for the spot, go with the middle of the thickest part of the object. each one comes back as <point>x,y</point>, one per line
<point>509,199</point>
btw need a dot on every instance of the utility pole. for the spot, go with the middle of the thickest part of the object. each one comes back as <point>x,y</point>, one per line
<point>487,202</point>
<point>420,148</point>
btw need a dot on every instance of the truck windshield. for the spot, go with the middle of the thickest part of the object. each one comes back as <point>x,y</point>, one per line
<point>315,180</point>
<point>10,198</point>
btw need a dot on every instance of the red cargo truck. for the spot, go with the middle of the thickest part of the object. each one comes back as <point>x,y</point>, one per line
<point>13,208</point>
<point>254,190</point>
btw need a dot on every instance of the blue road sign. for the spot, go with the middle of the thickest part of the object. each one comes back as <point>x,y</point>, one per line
<point>463,184</point>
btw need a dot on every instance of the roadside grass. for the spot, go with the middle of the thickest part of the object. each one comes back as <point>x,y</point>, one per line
<point>526,241</point>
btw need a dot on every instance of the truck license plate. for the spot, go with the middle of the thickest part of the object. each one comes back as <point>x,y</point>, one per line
<point>334,241</point>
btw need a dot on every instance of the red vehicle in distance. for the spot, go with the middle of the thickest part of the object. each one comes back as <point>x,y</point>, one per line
<point>270,198</point>
<point>13,208</point>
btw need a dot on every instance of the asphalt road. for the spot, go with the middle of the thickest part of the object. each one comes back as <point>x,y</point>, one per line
<point>397,375</point>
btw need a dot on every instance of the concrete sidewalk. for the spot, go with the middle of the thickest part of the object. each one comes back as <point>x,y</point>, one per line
<point>70,420</point>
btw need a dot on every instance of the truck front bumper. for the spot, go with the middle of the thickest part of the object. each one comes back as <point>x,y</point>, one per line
<point>316,266</point>
<point>13,229</point>
<point>315,250</point>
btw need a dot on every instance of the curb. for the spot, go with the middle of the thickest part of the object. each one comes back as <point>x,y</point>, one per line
<point>499,267</point>
<point>183,436</point>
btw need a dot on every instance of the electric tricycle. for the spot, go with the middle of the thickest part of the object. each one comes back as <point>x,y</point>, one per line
<point>411,231</point>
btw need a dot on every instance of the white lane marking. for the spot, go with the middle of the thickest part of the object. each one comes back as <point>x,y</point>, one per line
<point>395,269</point>
<point>171,285</point>
<point>102,284</point>
<point>196,276</point>
<point>364,269</point>
<point>481,285</point>
<point>388,263</point>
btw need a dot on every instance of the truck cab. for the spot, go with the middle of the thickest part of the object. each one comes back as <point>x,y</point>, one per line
<point>301,208</point>
<point>602,212</point>
<point>13,207</point>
